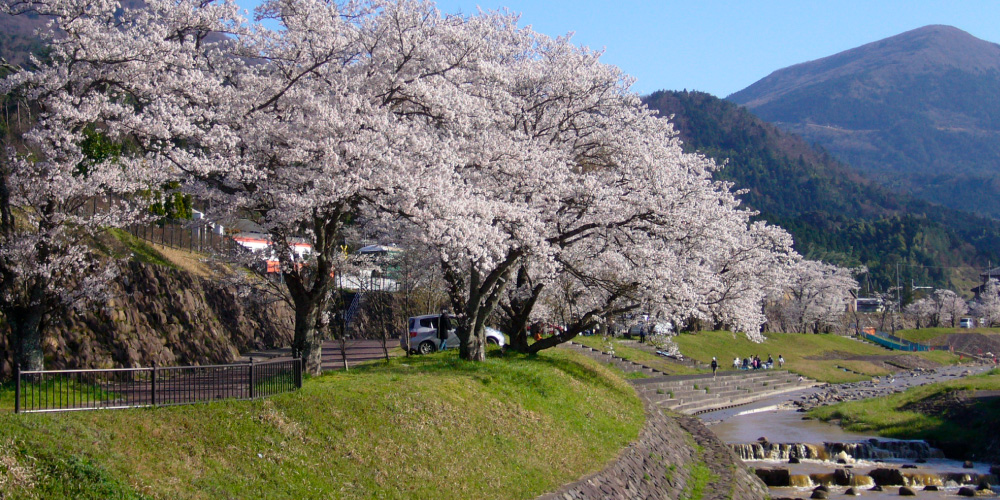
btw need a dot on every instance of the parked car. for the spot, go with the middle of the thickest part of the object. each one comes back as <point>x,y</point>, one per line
<point>967,323</point>
<point>424,339</point>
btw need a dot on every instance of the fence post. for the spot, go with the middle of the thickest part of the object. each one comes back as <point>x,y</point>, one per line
<point>298,372</point>
<point>251,378</point>
<point>17,387</point>
<point>152,384</point>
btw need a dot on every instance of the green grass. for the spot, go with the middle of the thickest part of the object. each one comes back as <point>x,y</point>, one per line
<point>796,348</point>
<point>888,417</point>
<point>699,476</point>
<point>403,429</point>
<point>52,392</point>
<point>640,356</point>
<point>931,335</point>
<point>138,249</point>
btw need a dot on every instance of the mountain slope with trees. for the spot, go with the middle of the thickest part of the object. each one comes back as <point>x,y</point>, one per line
<point>834,213</point>
<point>918,112</point>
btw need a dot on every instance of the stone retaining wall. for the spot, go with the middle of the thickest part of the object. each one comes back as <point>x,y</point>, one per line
<point>659,465</point>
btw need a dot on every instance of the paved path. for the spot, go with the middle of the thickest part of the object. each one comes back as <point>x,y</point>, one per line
<point>358,351</point>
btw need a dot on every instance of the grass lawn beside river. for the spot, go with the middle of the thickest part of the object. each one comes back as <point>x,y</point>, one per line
<point>418,427</point>
<point>814,356</point>
<point>956,415</point>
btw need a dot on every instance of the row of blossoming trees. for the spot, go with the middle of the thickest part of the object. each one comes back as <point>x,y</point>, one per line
<point>524,164</point>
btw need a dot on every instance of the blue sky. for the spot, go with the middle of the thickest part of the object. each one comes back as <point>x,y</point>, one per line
<point>721,47</point>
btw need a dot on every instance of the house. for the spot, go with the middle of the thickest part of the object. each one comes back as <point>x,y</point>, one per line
<point>868,305</point>
<point>992,274</point>
<point>253,237</point>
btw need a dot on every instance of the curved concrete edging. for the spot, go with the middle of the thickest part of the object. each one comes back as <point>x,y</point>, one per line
<point>659,464</point>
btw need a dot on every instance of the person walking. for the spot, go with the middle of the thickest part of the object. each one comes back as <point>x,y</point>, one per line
<point>781,361</point>
<point>736,363</point>
<point>715,366</point>
<point>642,334</point>
<point>444,326</point>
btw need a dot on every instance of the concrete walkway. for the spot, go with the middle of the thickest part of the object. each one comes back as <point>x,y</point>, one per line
<point>694,394</point>
<point>358,351</point>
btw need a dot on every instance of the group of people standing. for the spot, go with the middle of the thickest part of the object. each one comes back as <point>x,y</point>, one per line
<point>753,362</point>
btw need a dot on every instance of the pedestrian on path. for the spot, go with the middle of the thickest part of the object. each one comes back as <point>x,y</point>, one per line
<point>781,361</point>
<point>444,326</point>
<point>736,363</point>
<point>715,366</point>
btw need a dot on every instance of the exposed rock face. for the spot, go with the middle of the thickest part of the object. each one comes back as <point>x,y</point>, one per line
<point>161,316</point>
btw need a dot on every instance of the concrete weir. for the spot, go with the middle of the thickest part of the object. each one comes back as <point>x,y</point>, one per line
<point>872,449</point>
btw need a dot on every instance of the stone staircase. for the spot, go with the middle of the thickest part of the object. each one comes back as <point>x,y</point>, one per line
<point>693,394</point>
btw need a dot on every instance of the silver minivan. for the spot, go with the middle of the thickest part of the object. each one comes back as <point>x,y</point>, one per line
<point>422,332</point>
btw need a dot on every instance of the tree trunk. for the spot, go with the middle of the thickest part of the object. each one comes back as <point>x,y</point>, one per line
<point>307,343</point>
<point>472,346</point>
<point>26,330</point>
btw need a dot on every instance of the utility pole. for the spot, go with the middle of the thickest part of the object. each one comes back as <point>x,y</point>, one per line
<point>899,300</point>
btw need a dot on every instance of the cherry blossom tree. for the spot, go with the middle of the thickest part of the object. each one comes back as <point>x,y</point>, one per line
<point>816,300</point>
<point>923,312</point>
<point>988,305</point>
<point>53,175</point>
<point>948,306</point>
<point>569,187</point>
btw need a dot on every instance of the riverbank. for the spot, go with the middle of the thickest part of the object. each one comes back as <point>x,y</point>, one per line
<point>958,415</point>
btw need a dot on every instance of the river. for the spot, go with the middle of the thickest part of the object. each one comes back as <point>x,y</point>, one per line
<point>786,434</point>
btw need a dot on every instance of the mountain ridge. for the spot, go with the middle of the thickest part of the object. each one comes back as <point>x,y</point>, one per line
<point>918,113</point>
<point>833,213</point>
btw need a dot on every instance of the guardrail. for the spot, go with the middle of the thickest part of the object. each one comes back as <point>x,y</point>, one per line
<point>895,343</point>
<point>37,391</point>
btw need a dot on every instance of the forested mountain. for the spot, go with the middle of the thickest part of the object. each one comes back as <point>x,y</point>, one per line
<point>834,214</point>
<point>918,112</point>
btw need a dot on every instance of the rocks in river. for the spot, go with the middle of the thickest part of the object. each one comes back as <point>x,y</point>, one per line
<point>794,460</point>
<point>842,477</point>
<point>818,493</point>
<point>875,488</point>
<point>887,477</point>
<point>852,492</point>
<point>909,466</point>
<point>968,464</point>
<point>774,477</point>
<point>906,491</point>
<point>966,491</point>
<point>931,487</point>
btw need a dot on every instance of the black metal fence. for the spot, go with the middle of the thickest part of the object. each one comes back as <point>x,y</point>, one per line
<point>71,390</point>
<point>189,235</point>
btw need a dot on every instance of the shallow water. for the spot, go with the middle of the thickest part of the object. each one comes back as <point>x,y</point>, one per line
<point>781,426</point>
<point>787,426</point>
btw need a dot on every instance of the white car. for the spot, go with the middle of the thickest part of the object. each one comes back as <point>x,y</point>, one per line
<point>422,331</point>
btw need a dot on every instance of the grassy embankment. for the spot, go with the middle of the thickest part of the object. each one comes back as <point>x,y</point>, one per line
<point>420,427</point>
<point>627,351</point>
<point>930,335</point>
<point>945,414</point>
<point>814,356</point>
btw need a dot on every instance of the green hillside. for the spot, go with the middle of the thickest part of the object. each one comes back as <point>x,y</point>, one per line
<point>834,213</point>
